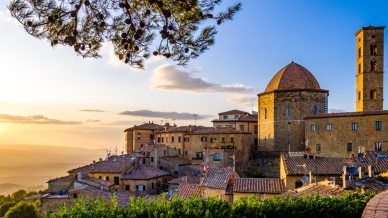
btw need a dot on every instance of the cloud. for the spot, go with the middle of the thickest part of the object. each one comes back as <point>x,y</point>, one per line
<point>35,119</point>
<point>169,77</point>
<point>92,110</point>
<point>159,114</point>
<point>92,121</point>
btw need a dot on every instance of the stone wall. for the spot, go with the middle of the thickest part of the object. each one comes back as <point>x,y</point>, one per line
<point>335,142</point>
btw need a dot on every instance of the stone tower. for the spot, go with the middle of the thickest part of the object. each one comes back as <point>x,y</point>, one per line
<point>292,94</point>
<point>369,68</point>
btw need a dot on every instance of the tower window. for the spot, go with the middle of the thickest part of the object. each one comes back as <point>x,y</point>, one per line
<point>359,68</point>
<point>378,146</point>
<point>378,125</point>
<point>359,52</point>
<point>288,112</point>
<point>349,147</point>
<point>373,50</point>
<point>265,113</point>
<point>373,36</point>
<point>373,94</point>
<point>359,96</point>
<point>372,65</point>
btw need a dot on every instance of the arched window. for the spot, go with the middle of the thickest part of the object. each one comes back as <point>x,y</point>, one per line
<point>372,65</point>
<point>373,94</point>
<point>373,50</point>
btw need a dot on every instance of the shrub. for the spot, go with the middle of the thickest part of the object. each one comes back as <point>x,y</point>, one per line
<point>4,207</point>
<point>23,210</point>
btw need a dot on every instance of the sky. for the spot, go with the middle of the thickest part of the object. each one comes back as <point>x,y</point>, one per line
<point>51,96</point>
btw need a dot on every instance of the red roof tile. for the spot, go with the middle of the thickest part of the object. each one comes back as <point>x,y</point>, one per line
<point>314,189</point>
<point>186,190</point>
<point>259,185</point>
<point>293,76</point>
<point>377,159</point>
<point>144,172</point>
<point>176,160</point>
<point>218,178</point>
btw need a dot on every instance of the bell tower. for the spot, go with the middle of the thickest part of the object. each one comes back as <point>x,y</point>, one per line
<point>369,68</point>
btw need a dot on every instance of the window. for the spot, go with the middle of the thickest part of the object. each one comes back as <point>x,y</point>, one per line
<point>217,157</point>
<point>242,128</point>
<point>373,94</point>
<point>162,139</point>
<point>179,139</point>
<point>152,186</point>
<point>318,148</point>
<point>265,113</point>
<point>211,140</point>
<point>378,146</point>
<point>225,117</point>
<point>328,127</point>
<point>223,139</point>
<point>349,147</point>
<point>152,159</point>
<point>179,151</point>
<point>313,127</point>
<point>100,177</point>
<point>127,188</point>
<point>198,155</point>
<point>158,139</point>
<point>186,153</point>
<point>256,142</point>
<point>255,128</point>
<point>359,96</point>
<point>186,139</point>
<point>232,139</point>
<point>107,178</point>
<point>359,68</point>
<point>372,65</point>
<point>152,136</point>
<point>144,161</point>
<point>172,139</point>
<point>315,110</point>
<point>116,180</point>
<point>288,112</point>
<point>359,52</point>
<point>138,135</point>
<point>354,126</point>
<point>75,195</point>
<point>203,139</point>
<point>378,125</point>
<point>373,50</point>
<point>140,188</point>
<point>236,117</point>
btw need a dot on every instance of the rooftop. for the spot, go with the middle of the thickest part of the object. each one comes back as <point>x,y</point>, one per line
<point>186,190</point>
<point>232,112</point>
<point>219,178</point>
<point>301,165</point>
<point>377,159</point>
<point>293,76</point>
<point>213,130</point>
<point>146,126</point>
<point>143,172</point>
<point>259,185</point>
<point>242,118</point>
<point>314,189</point>
<point>176,160</point>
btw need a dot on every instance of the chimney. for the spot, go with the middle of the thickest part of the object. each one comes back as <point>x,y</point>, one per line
<point>79,176</point>
<point>360,173</point>
<point>370,171</point>
<point>310,177</point>
<point>345,181</point>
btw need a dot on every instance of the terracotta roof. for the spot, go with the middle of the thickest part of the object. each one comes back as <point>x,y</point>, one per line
<point>176,160</point>
<point>259,185</point>
<point>213,130</point>
<point>180,129</point>
<point>293,76</point>
<point>348,114</point>
<point>218,178</point>
<point>370,184</point>
<point>143,172</point>
<point>186,190</point>
<point>122,196</point>
<point>377,159</point>
<point>146,126</point>
<point>113,164</point>
<point>294,165</point>
<point>96,181</point>
<point>314,189</point>
<point>232,112</point>
<point>242,118</point>
<point>185,179</point>
<point>377,206</point>
<point>60,178</point>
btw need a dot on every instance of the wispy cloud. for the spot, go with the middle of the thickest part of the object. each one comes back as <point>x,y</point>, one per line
<point>92,121</point>
<point>35,119</point>
<point>169,77</point>
<point>159,114</point>
<point>93,110</point>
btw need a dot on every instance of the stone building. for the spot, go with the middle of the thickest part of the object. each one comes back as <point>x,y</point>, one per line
<point>292,94</point>
<point>140,135</point>
<point>348,134</point>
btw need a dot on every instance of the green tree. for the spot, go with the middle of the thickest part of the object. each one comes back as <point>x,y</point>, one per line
<point>23,210</point>
<point>176,29</point>
<point>4,207</point>
<point>19,195</point>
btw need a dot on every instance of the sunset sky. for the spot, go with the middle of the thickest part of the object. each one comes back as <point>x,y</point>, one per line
<point>50,96</point>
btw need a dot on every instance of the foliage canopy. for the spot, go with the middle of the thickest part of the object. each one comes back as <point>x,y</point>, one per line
<point>174,28</point>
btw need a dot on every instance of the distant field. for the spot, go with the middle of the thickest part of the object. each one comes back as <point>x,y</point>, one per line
<point>33,165</point>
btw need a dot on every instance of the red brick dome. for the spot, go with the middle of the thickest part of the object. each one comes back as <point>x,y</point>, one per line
<point>293,76</point>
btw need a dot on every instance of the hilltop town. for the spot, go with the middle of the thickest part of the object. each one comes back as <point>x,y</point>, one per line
<point>291,147</point>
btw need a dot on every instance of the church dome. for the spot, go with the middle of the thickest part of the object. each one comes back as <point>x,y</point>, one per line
<point>293,76</point>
